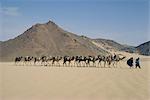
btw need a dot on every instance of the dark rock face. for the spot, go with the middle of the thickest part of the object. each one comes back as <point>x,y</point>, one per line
<point>144,48</point>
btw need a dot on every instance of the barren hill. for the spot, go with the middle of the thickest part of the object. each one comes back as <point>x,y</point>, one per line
<point>47,39</point>
<point>112,45</point>
<point>109,44</point>
<point>144,48</point>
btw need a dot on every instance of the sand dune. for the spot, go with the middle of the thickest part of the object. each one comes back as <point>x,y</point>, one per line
<point>75,83</point>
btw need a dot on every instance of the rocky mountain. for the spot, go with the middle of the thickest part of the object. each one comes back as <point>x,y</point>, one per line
<point>144,48</point>
<point>47,39</point>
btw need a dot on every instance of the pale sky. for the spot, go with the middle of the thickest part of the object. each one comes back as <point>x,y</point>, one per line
<point>125,21</point>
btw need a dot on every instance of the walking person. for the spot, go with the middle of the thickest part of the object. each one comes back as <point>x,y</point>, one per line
<point>130,62</point>
<point>137,63</point>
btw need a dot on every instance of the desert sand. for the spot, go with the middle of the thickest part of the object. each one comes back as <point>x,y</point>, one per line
<point>75,83</point>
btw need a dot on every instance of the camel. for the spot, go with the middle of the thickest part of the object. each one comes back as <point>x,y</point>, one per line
<point>40,59</point>
<point>56,59</point>
<point>106,59</point>
<point>36,59</point>
<point>68,59</point>
<point>49,60</point>
<point>100,59</point>
<point>27,59</point>
<point>76,60</point>
<point>18,59</point>
<point>82,59</point>
<point>92,59</point>
<point>109,60</point>
<point>43,60</point>
<point>116,58</point>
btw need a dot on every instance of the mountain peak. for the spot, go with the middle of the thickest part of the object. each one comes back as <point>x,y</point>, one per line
<point>43,26</point>
<point>50,23</point>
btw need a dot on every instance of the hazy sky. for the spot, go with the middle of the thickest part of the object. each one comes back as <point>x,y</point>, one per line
<point>125,21</point>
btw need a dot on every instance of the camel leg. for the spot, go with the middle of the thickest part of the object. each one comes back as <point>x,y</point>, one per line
<point>77,63</point>
<point>74,63</point>
<point>104,64</point>
<point>115,64</point>
<point>58,64</point>
<point>70,63</point>
<point>109,63</point>
<point>100,63</point>
<point>87,64</point>
<point>64,63</point>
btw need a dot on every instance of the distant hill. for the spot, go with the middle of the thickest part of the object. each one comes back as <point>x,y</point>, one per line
<point>144,48</point>
<point>47,39</point>
<point>109,44</point>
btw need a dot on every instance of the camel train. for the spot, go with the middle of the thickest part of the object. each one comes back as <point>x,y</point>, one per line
<point>78,61</point>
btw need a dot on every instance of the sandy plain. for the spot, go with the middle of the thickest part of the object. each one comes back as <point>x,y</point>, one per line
<point>75,83</point>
